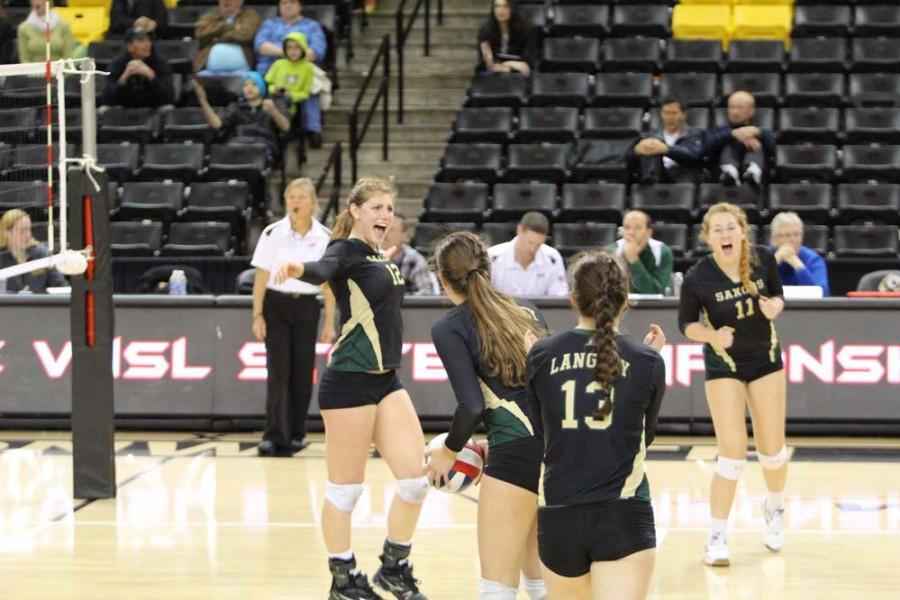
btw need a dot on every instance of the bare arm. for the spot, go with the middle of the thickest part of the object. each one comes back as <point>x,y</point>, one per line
<point>208,113</point>
<point>327,334</point>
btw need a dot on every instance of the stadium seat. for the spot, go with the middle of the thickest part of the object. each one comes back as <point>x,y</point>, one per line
<point>198,239</point>
<point>667,202</point>
<point>871,282</point>
<point>875,89</point>
<point>623,89</point>
<point>587,20</point>
<point>135,238</point>
<point>498,233</point>
<point>179,53</point>
<point>812,201</point>
<point>866,240</point>
<point>247,162</point>
<point>512,200</point>
<point>40,230</point>
<point>872,162</point>
<point>632,54</point>
<point>708,22</point>
<point>265,11</point>
<point>559,89</point>
<point>225,201</point>
<point>104,52</point>
<point>243,283</point>
<point>818,55</point>
<point>151,200</point>
<point>480,162</point>
<point>694,89</point>
<point>572,238</point>
<point>29,161</point>
<point>755,56</point>
<point>766,22</point>
<point>570,54</point>
<point>881,20</point>
<point>813,124</point>
<point>183,20</point>
<point>612,123</point>
<point>868,202</point>
<point>186,124</point>
<point>179,162</point>
<point>693,56</point>
<point>121,124</point>
<point>221,90</point>
<point>812,21</point>
<point>547,124</point>
<point>490,124</point>
<point>641,19</point>
<point>120,160</point>
<point>592,202</point>
<point>872,125</point>
<point>30,196</point>
<point>17,125</point>
<point>745,196</point>
<point>806,162</point>
<point>815,237</point>
<point>543,162</point>
<point>765,87</point>
<point>428,233</point>
<point>814,89</point>
<point>673,235</point>
<point>601,160</point>
<point>533,15</point>
<point>497,89</point>
<point>462,201</point>
<point>876,55</point>
<point>88,24</point>
<point>696,117</point>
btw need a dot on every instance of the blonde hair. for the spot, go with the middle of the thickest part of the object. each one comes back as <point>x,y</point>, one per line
<point>748,256</point>
<point>306,184</point>
<point>365,188</point>
<point>462,260</point>
<point>8,221</point>
<point>786,218</point>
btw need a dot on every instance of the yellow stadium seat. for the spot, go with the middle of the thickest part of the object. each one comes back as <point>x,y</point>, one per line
<point>769,22</point>
<point>86,3</point>
<point>702,21</point>
<point>88,24</point>
<point>723,2</point>
<point>171,3</point>
<point>763,2</point>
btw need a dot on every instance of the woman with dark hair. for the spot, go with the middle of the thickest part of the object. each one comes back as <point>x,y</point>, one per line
<point>506,44</point>
<point>482,343</point>
<point>593,397</point>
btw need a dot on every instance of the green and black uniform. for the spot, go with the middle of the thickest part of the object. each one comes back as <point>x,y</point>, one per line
<point>369,290</point>
<point>515,454</point>
<point>709,295</point>
<point>595,498</point>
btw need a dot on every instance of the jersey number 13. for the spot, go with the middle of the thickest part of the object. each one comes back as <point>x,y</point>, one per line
<point>602,416</point>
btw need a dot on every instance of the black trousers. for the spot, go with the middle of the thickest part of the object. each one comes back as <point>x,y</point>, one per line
<point>736,154</point>
<point>653,169</point>
<point>292,326</point>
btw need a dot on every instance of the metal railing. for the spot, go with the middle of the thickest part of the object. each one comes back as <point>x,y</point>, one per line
<point>335,167</point>
<point>403,29</point>
<point>357,132</point>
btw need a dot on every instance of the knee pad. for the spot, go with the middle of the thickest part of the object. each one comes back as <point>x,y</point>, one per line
<point>494,590</point>
<point>776,461</point>
<point>413,490</point>
<point>730,468</point>
<point>343,496</point>
<point>535,588</point>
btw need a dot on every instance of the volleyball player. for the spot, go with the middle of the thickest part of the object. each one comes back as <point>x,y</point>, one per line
<point>482,343</point>
<point>729,301</point>
<point>360,396</point>
<point>593,396</point>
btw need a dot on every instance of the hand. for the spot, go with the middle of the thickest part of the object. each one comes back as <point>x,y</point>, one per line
<point>438,464</point>
<point>327,335</point>
<point>771,307</point>
<point>268,106</point>
<point>784,252</point>
<point>655,338</point>
<point>199,91</point>
<point>630,250</point>
<point>650,147</point>
<point>288,271</point>
<point>145,22</point>
<point>259,328</point>
<point>518,65</point>
<point>752,144</point>
<point>723,337</point>
<point>390,253</point>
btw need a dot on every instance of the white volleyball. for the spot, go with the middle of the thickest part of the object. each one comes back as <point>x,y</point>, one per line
<point>71,262</point>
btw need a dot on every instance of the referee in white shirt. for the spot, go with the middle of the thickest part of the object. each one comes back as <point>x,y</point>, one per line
<point>286,316</point>
<point>525,265</point>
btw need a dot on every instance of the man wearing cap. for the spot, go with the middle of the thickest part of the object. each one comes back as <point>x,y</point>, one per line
<point>139,77</point>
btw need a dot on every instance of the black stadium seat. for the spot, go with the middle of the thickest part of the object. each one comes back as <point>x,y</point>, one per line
<point>875,89</point>
<point>642,19</point>
<point>198,239</point>
<point>811,21</point>
<point>570,54</point>
<point>667,202</point>
<point>866,240</point>
<point>674,235</point>
<point>764,117</point>
<point>180,162</point>
<point>151,200</point>
<point>813,124</point>
<point>490,124</point>
<point>815,162</point>
<point>186,124</point>
<point>872,125</point>
<point>135,238</point>
<point>602,160</point>
<point>480,162</point>
<point>17,125</point>
<point>755,56</point>
<point>120,124</point>
<point>869,202</point>
<point>120,160</point>
<point>179,53</point>
<point>818,55</point>
<point>765,87</point>
<point>693,56</point>
<point>512,200</point>
<point>883,19</point>
<point>559,89</point>
<point>227,201</point>
<point>872,162</point>
<point>814,89</point>
<point>613,123</point>
<point>543,162</point>
<point>632,54</point>
<point>247,162</point>
<point>624,89</point>
<point>694,89</point>
<point>876,55</point>
<point>497,233</point>
<point>498,89</point>
<point>745,196</point>
<point>592,202</point>
<point>571,238</point>
<point>461,201</point>
<point>586,20</point>
<point>547,124</point>
<point>812,201</point>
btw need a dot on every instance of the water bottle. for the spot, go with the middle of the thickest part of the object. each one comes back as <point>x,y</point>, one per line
<point>677,280</point>
<point>177,283</point>
<point>2,286</point>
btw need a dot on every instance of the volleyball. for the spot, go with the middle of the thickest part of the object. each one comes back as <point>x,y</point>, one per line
<point>467,468</point>
<point>70,262</point>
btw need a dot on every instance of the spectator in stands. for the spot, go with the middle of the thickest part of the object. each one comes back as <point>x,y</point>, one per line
<point>139,76</point>
<point>253,119</point>
<point>31,36</point>
<point>740,148</point>
<point>420,281</point>
<point>225,38</point>
<point>7,39</point>
<point>673,153</point>
<point>649,261</point>
<point>269,46</point>
<point>506,44</point>
<point>150,15</point>
<point>797,264</point>
<point>526,266</point>
<point>292,77</point>
<point>17,245</point>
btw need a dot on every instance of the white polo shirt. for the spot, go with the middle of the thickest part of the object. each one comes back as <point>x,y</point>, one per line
<point>279,244</point>
<point>545,276</point>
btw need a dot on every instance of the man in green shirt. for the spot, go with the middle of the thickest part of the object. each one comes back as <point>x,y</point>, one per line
<point>649,261</point>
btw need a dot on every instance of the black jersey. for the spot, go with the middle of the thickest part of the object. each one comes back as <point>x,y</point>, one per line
<point>369,290</point>
<point>708,292</point>
<point>478,394</point>
<point>593,452</point>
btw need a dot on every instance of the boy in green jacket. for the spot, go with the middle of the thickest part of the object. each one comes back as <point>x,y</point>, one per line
<point>292,76</point>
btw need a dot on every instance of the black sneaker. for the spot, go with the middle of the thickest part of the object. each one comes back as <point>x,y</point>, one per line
<point>399,581</point>
<point>349,584</point>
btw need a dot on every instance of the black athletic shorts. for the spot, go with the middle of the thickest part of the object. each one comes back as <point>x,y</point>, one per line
<point>570,538</point>
<point>744,368</point>
<point>346,389</point>
<point>517,462</point>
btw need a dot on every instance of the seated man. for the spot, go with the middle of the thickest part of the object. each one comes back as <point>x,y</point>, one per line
<point>151,15</point>
<point>225,38</point>
<point>672,154</point>
<point>139,76</point>
<point>649,261</point>
<point>420,281</point>
<point>526,266</point>
<point>740,148</point>
<point>797,264</point>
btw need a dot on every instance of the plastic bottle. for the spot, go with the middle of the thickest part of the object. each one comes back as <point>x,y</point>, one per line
<point>677,280</point>
<point>177,283</point>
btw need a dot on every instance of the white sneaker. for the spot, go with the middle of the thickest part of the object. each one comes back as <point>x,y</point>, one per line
<point>716,554</point>
<point>774,534</point>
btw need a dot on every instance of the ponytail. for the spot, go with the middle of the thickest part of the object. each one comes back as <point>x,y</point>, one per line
<point>748,257</point>
<point>343,225</point>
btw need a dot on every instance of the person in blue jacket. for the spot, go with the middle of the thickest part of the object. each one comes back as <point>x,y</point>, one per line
<point>740,148</point>
<point>797,264</point>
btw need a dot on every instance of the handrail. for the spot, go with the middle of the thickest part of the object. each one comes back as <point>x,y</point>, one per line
<point>402,33</point>
<point>335,161</point>
<point>356,137</point>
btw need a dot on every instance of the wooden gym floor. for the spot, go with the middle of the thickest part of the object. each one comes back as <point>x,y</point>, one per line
<point>200,516</point>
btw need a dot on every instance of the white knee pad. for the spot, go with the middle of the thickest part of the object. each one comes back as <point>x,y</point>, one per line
<point>730,468</point>
<point>494,590</point>
<point>413,490</point>
<point>535,588</point>
<point>776,461</point>
<point>343,496</point>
